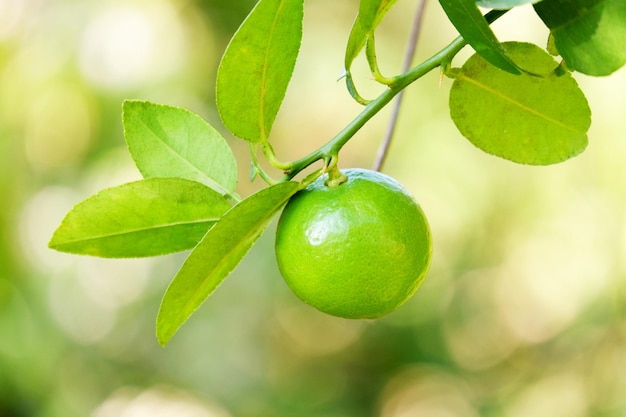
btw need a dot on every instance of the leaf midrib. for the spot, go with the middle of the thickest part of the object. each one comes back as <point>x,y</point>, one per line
<point>206,179</point>
<point>262,93</point>
<point>192,303</point>
<point>578,17</point>
<point>522,106</point>
<point>136,230</point>
<point>198,293</point>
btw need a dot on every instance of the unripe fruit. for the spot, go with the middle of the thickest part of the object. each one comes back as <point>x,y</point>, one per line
<point>356,250</point>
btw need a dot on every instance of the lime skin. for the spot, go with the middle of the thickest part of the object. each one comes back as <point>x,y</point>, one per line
<point>357,250</point>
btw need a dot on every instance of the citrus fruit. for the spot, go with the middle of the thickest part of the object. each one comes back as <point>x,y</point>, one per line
<point>355,250</point>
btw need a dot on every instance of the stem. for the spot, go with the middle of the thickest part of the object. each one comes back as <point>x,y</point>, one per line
<point>332,147</point>
<point>372,60</point>
<point>408,58</point>
<point>335,177</point>
<point>353,92</point>
<point>269,153</point>
<point>258,170</point>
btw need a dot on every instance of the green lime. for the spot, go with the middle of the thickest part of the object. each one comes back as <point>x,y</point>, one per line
<point>356,250</point>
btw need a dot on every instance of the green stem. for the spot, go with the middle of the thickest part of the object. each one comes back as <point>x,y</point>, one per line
<point>258,170</point>
<point>372,60</point>
<point>353,92</point>
<point>269,153</point>
<point>399,83</point>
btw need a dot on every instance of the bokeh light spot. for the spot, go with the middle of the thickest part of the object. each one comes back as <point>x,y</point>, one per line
<point>127,45</point>
<point>59,127</point>
<point>322,334</point>
<point>159,401</point>
<point>561,395</point>
<point>426,391</point>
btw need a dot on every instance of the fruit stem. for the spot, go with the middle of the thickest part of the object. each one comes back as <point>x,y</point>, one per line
<point>398,83</point>
<point>335,176</point>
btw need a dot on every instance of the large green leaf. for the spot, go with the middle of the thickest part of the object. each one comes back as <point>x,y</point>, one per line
<point>525,119</point>
<point>502,4</point>
<point>473,27</point>
<point>217,255</point>
<point>168,141</point>
<point>143,218</point>
<point>370,14</point>
<point>256,68</point>
<point>590,35</point>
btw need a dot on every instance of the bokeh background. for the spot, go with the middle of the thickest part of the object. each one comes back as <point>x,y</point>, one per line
<point>522,314</point>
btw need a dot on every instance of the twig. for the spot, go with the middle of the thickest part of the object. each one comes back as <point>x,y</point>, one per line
<point>383,150</point>
<point>331,148</point>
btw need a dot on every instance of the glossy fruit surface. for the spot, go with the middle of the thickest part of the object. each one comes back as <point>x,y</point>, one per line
<point>357,250</point>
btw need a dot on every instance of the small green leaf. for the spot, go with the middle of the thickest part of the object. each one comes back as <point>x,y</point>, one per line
<point>168,141</point>
<point>143,218</point>
<point>371,12</point>
<point>502,4</point>
<point>256,68</point>
<point>526,119</point>
<point>590,35</point>
<point>217,255</point>
<point>471,24</point>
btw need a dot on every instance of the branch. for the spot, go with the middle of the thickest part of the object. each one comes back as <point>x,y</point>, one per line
<point>331,148</point>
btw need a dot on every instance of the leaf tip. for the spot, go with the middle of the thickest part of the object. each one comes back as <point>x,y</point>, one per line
<point>55,242</point>
<point>166,327</point>
<point>162,341</point>
<point>52,244</point>
<point>163,332</point>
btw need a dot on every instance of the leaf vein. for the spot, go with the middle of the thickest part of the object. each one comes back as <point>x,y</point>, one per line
<point>137,230</point>
<point>198,295</point>
<point>264,76</point>
<point>205,178</point>
<point>519,104</point>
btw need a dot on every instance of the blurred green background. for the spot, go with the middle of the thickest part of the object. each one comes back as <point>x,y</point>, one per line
<point>522,314</point>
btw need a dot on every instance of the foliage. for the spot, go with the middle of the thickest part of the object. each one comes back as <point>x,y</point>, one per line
<point>523,118</point>
<point>511,100</point>
<point>257,66</point>
<point>217,254</point>
<point>170,142</point>
<point>152,217</point>
<point>588,34</point>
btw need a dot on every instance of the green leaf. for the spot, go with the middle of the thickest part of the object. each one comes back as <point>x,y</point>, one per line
<point>256,68</point>
<point>502,4</point>
<point>143,218</point>
<point>168,141</point>
<point>473,27</point>
<point>525,119</point>
<point>217,255</point>
<point>370,14</point>
<point>590,35</point>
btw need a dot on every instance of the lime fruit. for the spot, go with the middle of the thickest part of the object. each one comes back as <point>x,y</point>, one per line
<point>356,250</point>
